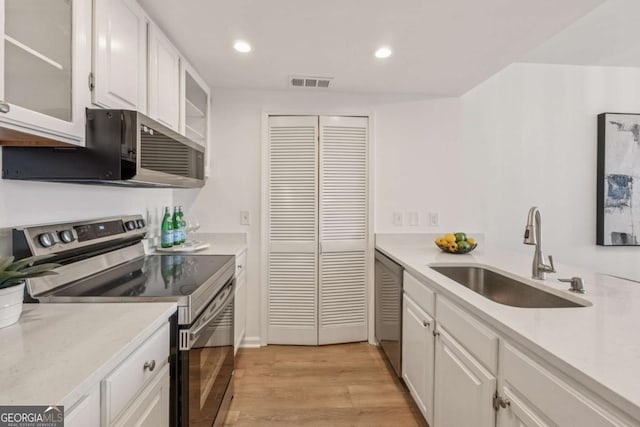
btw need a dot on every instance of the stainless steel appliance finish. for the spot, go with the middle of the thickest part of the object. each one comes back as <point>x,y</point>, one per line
<point>533,236</point>
<point>115,256</point>
<point>577,284</point>
<point>104,261</point>
<point>123,147</point>
<point>207,362</point>
<point>503,289</point>
<point>388,302</point>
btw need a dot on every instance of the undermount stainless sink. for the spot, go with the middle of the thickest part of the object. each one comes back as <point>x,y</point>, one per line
<point>503,289</point>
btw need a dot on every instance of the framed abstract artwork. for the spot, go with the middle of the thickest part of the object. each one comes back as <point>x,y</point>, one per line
<point>618,190</point>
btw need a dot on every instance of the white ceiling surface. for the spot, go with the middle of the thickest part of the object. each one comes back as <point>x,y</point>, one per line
<point>440,47</point>
<point>607,36</point>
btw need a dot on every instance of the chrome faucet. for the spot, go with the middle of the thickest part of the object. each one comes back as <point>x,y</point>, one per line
<point>533,236</point>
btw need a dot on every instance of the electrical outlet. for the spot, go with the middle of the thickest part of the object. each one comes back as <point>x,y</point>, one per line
<point>414,219</point>
<point>397,218</point>
<point>434,219</point>
<point>245,218</point>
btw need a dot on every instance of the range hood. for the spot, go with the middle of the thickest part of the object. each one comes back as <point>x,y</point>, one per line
<point>123,147</point>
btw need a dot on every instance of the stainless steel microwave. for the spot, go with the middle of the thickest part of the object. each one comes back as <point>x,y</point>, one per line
<point>123,147</point>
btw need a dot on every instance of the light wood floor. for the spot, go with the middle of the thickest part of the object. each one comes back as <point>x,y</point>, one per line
<point>337,385</point>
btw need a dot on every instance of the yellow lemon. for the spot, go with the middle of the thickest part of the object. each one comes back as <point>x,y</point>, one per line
<point>451,238</point>
<point>453,247</point>
<point>440,241</point>
<point>471,241</point>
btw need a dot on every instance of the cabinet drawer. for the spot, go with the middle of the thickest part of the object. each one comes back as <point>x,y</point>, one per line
<point>473,335</point>
<point>420,293</point>
<point>241,263</point>
<point>563,404</point>
<point>126,381</point>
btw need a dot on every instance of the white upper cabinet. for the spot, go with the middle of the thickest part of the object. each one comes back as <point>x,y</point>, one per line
<point>120,55</point>
<point>61,56</point>
<point>45,62</point>
<point>164,80</point>
<point>195,105</point>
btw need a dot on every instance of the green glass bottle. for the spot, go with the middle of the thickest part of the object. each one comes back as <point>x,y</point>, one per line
<point>166,233</point>
<point>177,238</point>
<point>183,226</point>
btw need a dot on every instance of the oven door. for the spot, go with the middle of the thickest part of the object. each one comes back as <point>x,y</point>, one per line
<point>206,361</point>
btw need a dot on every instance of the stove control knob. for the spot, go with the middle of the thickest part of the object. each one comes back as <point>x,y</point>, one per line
<point>140,223</point>
<point>47,240</point>
<point>131,225</point>
<point>66,236</point>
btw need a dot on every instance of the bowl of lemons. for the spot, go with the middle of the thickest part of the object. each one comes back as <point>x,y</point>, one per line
<point>456,243</point>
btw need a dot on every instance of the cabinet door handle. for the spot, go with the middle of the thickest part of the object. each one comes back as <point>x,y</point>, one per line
<point>426,324</point>
<point>4,107</point>
<point>500,402</point>
<point>150,366</point>
<point>436,333</point>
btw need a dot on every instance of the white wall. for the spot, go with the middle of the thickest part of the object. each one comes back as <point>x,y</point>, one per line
<point>420,167</point>
<point>408,135</point>
<point>532,130</point>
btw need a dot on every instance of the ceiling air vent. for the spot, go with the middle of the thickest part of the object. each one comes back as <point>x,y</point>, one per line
<point>311,82</point>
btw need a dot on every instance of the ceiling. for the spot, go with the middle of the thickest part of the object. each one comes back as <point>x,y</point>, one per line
<point>608,36</point>
<point>440,47</point>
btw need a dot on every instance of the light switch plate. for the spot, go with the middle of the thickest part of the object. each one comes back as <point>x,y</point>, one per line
<point>245,218</point>
<point>414,219</point>
<point>434,219</point>
<point>397,218</point>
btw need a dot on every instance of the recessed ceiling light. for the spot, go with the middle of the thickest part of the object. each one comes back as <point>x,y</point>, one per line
<point>242,46</point>
<point>383,52</point>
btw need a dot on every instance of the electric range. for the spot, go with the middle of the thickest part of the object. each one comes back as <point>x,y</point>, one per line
<point>104,261</point>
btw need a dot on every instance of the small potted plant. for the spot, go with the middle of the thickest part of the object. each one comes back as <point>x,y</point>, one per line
<point>12,281</point>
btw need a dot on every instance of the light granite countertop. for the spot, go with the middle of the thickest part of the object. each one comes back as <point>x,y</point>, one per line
<point>56,352</point>
<point>598,345</point>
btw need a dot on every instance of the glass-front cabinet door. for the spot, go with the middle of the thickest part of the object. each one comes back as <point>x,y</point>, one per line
<point>195,108</point>
<point>45,69</point>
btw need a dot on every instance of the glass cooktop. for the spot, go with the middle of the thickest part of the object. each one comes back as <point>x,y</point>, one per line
<point>151,276</point>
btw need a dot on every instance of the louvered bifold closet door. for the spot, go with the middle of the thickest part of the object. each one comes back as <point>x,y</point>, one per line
<point>293,230</point>
<point>343,229</point>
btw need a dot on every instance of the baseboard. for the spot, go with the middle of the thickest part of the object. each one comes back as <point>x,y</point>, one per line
<point>250,342</point>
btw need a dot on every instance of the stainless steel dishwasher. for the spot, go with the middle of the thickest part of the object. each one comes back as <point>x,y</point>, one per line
<point>388,289</point>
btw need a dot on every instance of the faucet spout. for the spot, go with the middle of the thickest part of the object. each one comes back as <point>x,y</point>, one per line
<point>533,236</point>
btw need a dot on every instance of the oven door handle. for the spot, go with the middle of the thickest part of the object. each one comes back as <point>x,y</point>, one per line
<point>193,334</point>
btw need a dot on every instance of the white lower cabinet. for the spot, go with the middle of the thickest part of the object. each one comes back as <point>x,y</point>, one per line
<point>478,379</point>
<point>519,413</point>
<point>463,387</point>
<point>418,348</point>
<point>85,412</point>
<point>240,301</point>
<point>536,396</point>
<point>151,408</point>
<point>136,393</point>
